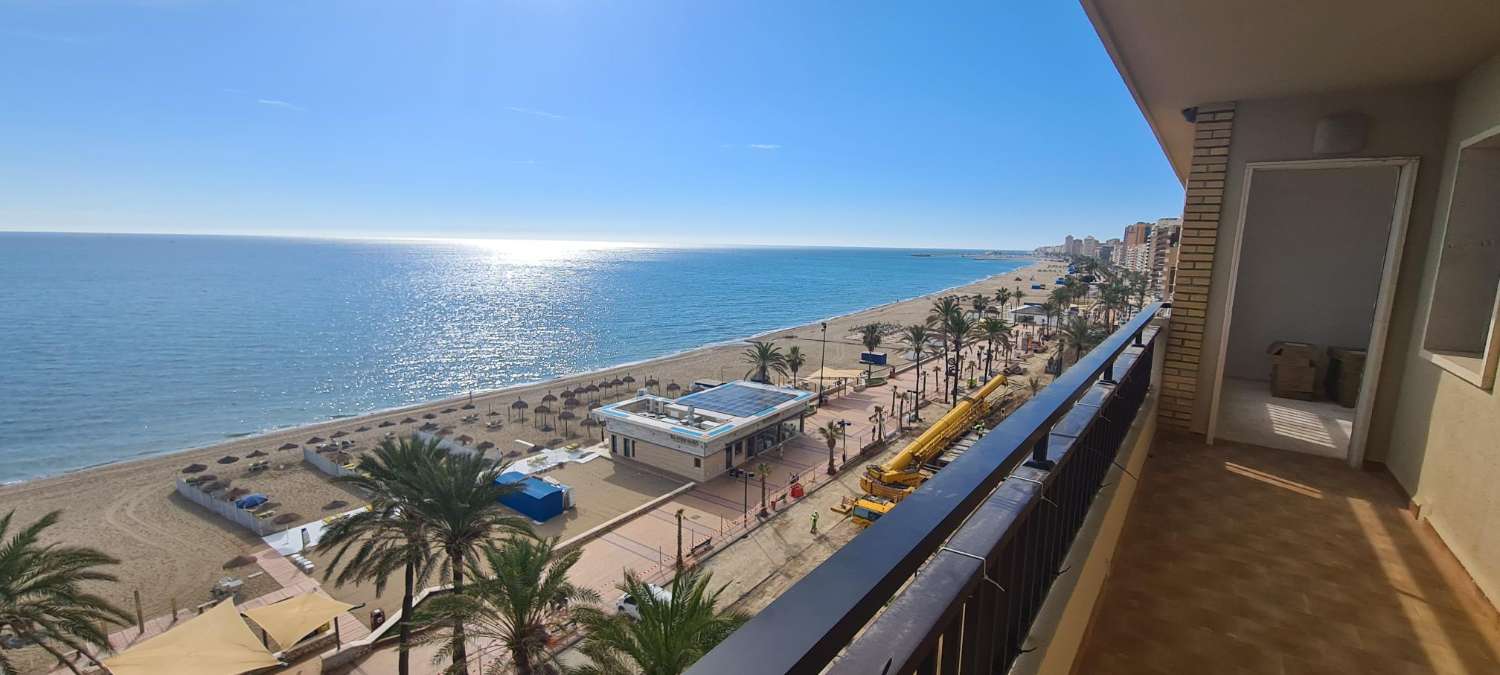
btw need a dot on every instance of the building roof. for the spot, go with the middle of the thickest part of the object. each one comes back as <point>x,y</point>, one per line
<point>717,413</point>
<point>531,486</point>
<point>738,399</point>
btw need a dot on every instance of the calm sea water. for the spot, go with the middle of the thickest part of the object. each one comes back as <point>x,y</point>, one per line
<point>116,346</point>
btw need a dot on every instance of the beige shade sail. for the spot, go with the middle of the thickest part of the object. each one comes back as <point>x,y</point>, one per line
<point>292,619</point>
<point>216,642</point>
<point>833,374</point>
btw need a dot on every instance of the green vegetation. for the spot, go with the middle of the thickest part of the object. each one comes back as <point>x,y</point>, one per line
<point>764,358</point>
<point>672,633</point>
<point>42,596</point>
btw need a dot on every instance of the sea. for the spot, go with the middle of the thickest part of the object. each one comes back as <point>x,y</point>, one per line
<point>114,347</point>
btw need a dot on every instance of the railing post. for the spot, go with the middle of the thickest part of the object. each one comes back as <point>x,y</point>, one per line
<point>1039,455</point>
<point>1109,370</point>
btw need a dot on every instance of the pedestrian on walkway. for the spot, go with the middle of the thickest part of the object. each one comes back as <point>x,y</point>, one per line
<point>815,522</point>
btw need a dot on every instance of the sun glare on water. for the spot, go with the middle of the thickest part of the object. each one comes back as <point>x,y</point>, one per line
<point>543,251</point>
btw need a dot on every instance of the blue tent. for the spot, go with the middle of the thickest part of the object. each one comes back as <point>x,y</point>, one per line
<point>537,499</point>
<point>250,501</point>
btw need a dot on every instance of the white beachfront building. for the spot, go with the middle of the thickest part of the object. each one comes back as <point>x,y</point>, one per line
<point>705,433</point>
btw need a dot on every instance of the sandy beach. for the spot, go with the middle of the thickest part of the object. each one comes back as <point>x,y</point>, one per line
<point>172,549</point>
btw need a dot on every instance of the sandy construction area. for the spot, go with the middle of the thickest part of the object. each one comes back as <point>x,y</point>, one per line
<point>169,547</point>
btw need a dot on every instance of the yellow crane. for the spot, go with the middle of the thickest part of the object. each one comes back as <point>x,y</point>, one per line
<point>887,484</point>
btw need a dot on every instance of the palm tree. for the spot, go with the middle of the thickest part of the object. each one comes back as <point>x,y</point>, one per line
<point>387,536</point>
<point>870,337</point>
<point>916,338</point>
<point>1034,385</point>
<point>459,508</point>
<point>764,358</point>
<point>795,359</point>
<point>518,586</point>
<point>1079,335</point>
<point>1114,297</point>
<point>42,599</point>
<point>943,310</point>
<point>995,330</point>
<point>959,327</point>
<point>831,432</point>
<point>671,634</point>
<point>1002,296</point>
<point>980,303</point>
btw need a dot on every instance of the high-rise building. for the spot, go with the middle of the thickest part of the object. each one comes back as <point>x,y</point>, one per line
<point>1137,233</point>
<point>1090,246</point>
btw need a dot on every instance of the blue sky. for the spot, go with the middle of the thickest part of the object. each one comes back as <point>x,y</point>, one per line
<point>984,124</point>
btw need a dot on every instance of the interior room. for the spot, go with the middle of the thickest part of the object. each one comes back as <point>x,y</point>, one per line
<point>1307,281</point>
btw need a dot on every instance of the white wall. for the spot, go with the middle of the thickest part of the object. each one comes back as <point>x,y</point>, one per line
<point>1442,444</point>
<point>1404,122</point>
<point>1313,249</point>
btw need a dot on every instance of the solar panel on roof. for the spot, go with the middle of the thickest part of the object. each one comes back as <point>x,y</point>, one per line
<point>739,401</point>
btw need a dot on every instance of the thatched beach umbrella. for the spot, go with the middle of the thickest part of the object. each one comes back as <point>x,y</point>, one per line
<point>362,428</point>
<point>465,439</point>
<point>288,446</point>
<point>566,393</point>
<point>518,409</point>
<point>315,439</point>
<point>428,426</point>
<point>445,432</point>
<point>492,413</point>
<point>652,383</point>
<point>468,406</point>
<point>386,423</point>
<point>257,453</point>
<point>449,410</point>
<point>485,445</point>
<point>566,416</point>
<point>629,380</point>
<point>673,388</point>
<point>549,398</point>
<point>593,391</point>
<point>194,468</point>
<point>430,416</point>
<point>541,412</point>
<point>409,420</point>
<point>339,434</point>
<point>228,459</point>
<point>591,422</point>
<point>617,382</point>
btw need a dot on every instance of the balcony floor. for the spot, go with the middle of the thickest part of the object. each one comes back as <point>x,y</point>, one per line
<point>1239,559</point>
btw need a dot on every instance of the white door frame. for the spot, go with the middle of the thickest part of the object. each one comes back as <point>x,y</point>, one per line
<point>1406,180</point>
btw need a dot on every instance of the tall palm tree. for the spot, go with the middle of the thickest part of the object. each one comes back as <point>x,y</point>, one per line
<point>916,338</point>
<point>870,337</point>
<point>831,432</point>
<point>42,596</point>
<point>980,303</point>
<point>519,589</point>
<point>994,330</point>
<point>671,634</point>
<point>764,358</point>
<point>1002,296</point>
<point>942,312</point>
<point>387,536</point>
<point>959,327</point>
<point>459,508</point>
<point>795,359</point>
<point>1079,335</point>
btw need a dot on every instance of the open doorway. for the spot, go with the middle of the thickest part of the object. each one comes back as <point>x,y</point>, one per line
<point>1317,252</point>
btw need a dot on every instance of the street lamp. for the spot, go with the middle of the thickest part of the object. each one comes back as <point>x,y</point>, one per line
<point>823,365</point>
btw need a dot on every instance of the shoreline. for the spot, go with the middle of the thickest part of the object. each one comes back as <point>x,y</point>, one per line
<point>234,438</point>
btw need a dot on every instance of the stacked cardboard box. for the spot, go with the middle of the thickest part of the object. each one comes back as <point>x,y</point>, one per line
<point>1346,373</point>
<point>1296,369</point>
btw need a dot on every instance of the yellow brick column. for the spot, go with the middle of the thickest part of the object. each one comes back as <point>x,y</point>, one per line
<point>1212,131</point>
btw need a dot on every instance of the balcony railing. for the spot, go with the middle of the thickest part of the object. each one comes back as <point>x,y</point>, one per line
<point>988,533</point>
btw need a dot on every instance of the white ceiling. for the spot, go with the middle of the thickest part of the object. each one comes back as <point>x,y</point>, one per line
<point>1175,54</point>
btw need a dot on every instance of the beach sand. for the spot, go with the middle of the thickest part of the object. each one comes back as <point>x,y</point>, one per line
<point>170,548</point>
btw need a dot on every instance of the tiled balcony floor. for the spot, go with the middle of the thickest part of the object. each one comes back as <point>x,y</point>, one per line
<point>1246,560</point>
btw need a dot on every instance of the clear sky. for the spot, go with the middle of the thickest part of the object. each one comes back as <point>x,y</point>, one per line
<point>984,124</point>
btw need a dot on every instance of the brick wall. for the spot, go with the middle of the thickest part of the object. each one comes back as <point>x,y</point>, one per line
<point>1200,227</point>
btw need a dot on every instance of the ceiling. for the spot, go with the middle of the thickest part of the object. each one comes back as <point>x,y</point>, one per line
<point>1176,54</point>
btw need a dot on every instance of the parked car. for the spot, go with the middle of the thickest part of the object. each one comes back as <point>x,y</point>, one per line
<point>627,605</point>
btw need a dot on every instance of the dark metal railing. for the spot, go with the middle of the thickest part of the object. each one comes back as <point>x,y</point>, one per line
<point>990,554</point>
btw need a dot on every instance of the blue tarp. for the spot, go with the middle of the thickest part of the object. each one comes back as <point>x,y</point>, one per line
<point>250,501</point>
<point>537,499</point>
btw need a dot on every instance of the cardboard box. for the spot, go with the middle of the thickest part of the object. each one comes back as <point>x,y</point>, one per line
<point>1296,369</point>
<point>1346,373</point>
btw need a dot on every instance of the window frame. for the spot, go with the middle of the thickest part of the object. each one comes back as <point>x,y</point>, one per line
<point>1456,364</point>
